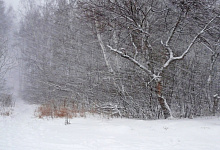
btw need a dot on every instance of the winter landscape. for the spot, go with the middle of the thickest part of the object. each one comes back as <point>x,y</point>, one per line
<point>110,74</point>
<point>23,131</point>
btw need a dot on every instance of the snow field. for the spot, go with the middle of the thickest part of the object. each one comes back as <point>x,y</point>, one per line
<point>23,131</point>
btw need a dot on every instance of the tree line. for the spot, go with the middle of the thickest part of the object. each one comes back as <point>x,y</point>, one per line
<point>5,63</point>
<point>144,59</point>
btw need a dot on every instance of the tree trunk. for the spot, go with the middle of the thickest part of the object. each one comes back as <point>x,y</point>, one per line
<point>215,105</point>
<point>163,103</point>
<point>209,83</point>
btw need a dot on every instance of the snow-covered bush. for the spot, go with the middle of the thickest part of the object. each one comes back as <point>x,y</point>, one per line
<point>6,100</point>
<point>6,104</point>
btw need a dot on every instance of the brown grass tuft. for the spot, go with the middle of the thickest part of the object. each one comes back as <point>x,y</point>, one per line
<point>63,112</point>
<point>58,111</point>
<point>44,111</point>
<point>62,109</point>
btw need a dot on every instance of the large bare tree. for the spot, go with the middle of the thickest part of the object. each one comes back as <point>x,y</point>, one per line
<point>153,34</point>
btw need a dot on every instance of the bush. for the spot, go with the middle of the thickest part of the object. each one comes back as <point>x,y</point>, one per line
<point>6,104</point>
<point>6,100</point>
<point>65,109</point>
<point>56,109</point>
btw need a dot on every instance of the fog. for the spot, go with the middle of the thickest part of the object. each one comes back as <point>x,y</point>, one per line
<point>12,76</point>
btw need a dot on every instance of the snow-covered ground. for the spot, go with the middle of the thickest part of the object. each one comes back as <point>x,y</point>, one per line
<point>23,131</point>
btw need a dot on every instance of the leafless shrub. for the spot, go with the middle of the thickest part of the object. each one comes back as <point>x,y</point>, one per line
<point>6,104</point>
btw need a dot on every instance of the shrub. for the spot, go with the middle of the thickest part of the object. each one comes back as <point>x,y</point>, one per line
<point>59,110</point>
<point>6,104</point>
<point>6,100</point>
<point>64,109</point>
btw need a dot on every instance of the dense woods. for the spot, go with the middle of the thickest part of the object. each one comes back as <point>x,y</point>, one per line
<point>5,64</point>
<point>146,59</point>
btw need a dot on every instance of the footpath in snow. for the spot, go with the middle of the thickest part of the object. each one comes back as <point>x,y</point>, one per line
<point>23,131</point>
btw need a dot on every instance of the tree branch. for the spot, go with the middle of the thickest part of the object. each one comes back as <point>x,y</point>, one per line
<point>172,58</point>
<point>134,61</point>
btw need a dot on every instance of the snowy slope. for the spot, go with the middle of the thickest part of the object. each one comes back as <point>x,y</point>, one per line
<point>22,131</point>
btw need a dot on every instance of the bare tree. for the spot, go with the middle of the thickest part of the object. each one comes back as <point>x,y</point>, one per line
<point>137,59</point>
<point>153,28</point>
<point>4,42</point>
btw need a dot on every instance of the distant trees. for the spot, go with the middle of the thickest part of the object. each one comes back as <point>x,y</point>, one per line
<point>5,23</point>
<point>58,59</point>
<point>144,59</point>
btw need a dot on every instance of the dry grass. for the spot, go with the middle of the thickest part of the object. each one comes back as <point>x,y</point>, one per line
<point>62,109</point>
<point>59,111</point>
<point>63,112</point>
<point>44,111</point>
